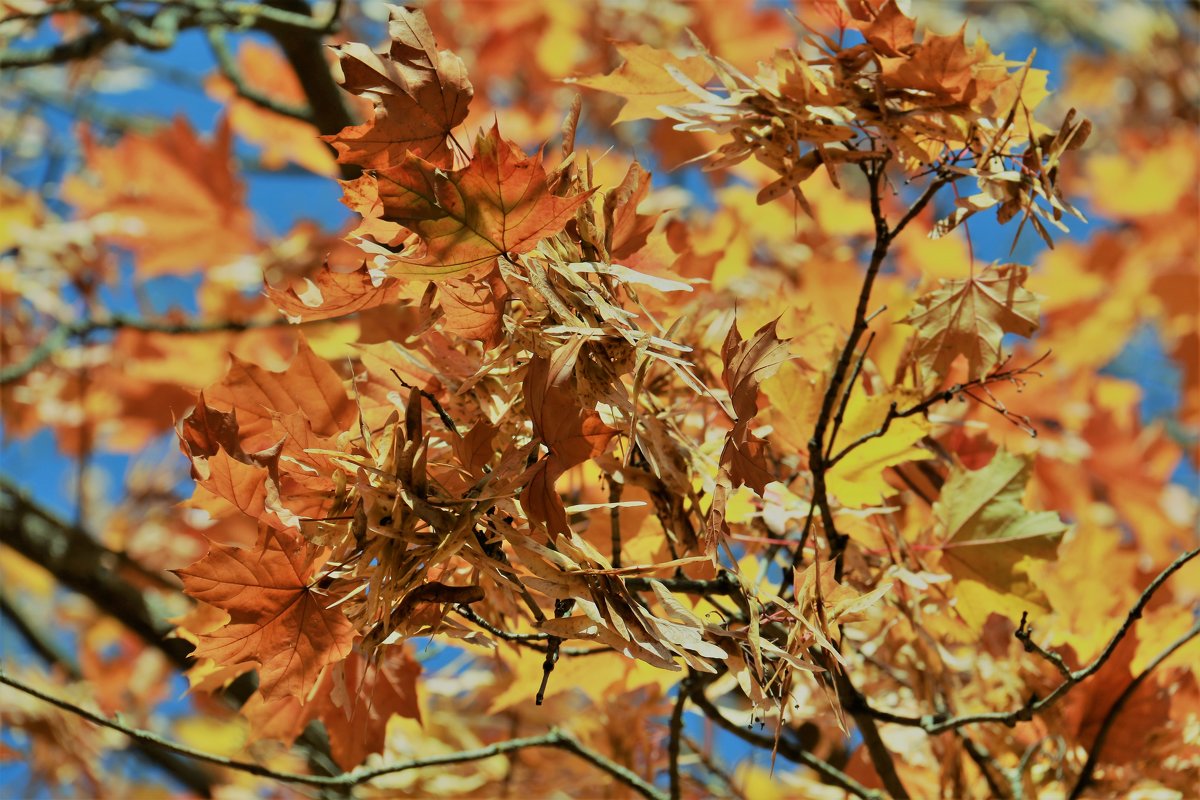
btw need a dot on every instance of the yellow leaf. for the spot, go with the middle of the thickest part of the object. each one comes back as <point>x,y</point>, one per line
<point>857,479</point>
<point>644,82</point>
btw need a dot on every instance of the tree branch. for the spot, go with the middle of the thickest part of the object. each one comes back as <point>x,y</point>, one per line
<point>65,332</point>
<point>935,724</point>
<point>784,746</point>
<point>675,732</point>
<point>187,773</point>
<point>881,757</point>
<point>555,738</point>
<point>1085,777</point>
<point>230,71</point>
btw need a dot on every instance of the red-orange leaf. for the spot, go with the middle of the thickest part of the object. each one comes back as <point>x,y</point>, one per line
<point>278,620</point>
<point>362,697</point>
<point>168,194</point>
<point>335,294</point>
<point>420,94</point>
<point>499,203</point>
<point>309,386</point>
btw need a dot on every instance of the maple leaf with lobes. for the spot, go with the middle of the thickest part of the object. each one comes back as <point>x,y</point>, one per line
<point>420,95</point>
<point>970,317</point>
<point>498,204</point>
<point>278,620</point>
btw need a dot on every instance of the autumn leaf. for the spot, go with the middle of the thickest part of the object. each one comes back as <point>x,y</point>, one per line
<point>857,478</point>
<point>644,82</point>
<point>361,695</point>
<point>474,309</point>
<point>891,31</point>
<point>278,619</point>
<point>572,434</point>
<point>970,317</point>
<point>748,363</point>
<point>332,294</point>
<point>309,387</point>
<point>164,195</point>
<point>990,537</point>
<point>498,204</point>
<point>420,94</point>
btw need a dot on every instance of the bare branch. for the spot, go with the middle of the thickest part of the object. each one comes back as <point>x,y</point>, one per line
<point>1089,767</point>
<point>555,738</point>
<point>232,73</point>
<point>675,732</point>
<point>189,774</point>
<point>935,724</point>
<point>784,746</point>
<point>64,333</point>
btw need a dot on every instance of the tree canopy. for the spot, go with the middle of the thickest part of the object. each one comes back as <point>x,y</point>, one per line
<point>685,399</point>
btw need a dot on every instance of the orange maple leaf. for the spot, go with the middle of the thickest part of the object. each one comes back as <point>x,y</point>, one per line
<point>362,696</point>
<point>278,620</point>
<point>168,193</point>
<point>644,82</point>
<point>309,387</point>
<point>420,95</point>
<point>331,294</point>
<point>571,433</point>
<point>500,203</point>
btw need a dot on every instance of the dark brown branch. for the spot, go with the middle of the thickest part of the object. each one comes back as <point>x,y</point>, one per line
<point>674,735</point>
<point>232,73</point>
<point>159,29</point>
<point>191,775</point>
<point>1089,767</point>
<point>928,403</point>
<point>533,641</point>
<point>64,333</point>
<point>82,564</point>
<point>555,738</point>
<point>936,723</point>
<point>306,53</point>
<point>986,764</point>
<point>881,757</point>
<point>784,746</point>
<point>817,444</point>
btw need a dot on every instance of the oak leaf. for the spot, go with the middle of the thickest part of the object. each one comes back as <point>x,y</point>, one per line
<point>644,81</point>
<point>969,317</point>
<point>498,204</point>
<point>278,620</point>
<point>420,95</point>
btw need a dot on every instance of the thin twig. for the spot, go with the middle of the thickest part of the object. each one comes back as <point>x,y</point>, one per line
<point>232,73</point>
<point>675,732</point>
<point>189,774</point>
<point>61,335</point>
<point>554,738</point>
<point>784,746</point>
<point>1089,767</point>
<point>937,723</point>
<point>986,764</point>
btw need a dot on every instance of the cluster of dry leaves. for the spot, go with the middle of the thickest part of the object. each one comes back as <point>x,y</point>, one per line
<point>775,459</point>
